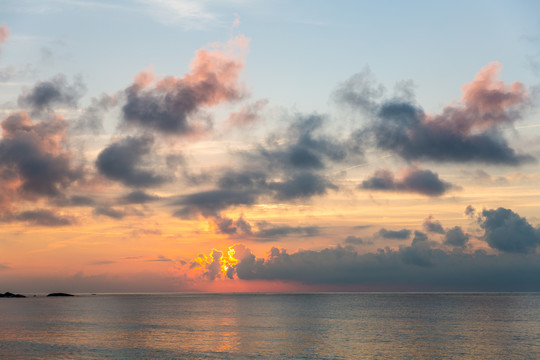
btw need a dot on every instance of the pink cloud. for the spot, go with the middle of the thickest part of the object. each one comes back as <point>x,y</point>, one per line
<point>247,114</point>
<point>486,102</point>
<point>4,33</point>
<point>167,104</point>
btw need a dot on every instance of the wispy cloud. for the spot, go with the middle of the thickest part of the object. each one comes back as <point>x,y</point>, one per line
<point>191,14</point>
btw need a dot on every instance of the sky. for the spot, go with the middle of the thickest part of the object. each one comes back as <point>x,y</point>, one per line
<point>235,145</point>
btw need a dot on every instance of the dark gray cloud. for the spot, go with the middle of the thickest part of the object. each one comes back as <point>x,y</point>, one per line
<point>466,132</point>
<point>56,91</point>
<point>169,104</point>
<point>419,253</point>
<point>265,231</point>
<point>210,203</point>
<point>393,234</point>
<point>403,129</point>
<point>288,167</point>
<point>270,231</point>
<point>246,188</point>
<point>243,225</point>
<point>75,201</point>
<point>456,237</point>
<point>419,238</point>
<point>433,226</point>
<point>43,217</point>
<point>109,212</point>
<point>138,197</point>
<point>225,225</point>
<point>34,153</point>
<point>301,185</point>
<point>304,146</point>
<point>424,182</point>
<point>155,110</point>
<point>243,180</point>
<point>355,240</point>
<point>507,231</point>
<point>417,267</point>
<point>121,161</point>
<point>470,211</point>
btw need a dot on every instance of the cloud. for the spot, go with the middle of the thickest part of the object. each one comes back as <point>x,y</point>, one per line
<point>414,180</point>
<point>302,185</point>
<point>360,91</point>
<point>138,197</point>
<point>303,146</point>
<point>289,167</point>
<point>242,180</point>
<point>470,211</point>
<point>488,101</point>
<point>109,212</point>
<point>354,240</point>
<point>210,203</point>
<point>433,226</point>
<point>167,105</point>
<point>225,225</point>
<point>121,161</point>
<point>4,33</point>
<point>56,91</point>
<point>75,201</point>
<point>419,267</point>
<point>160,258</point>
<point>262,230</point>
<point>456,237</point>
<point>103,262</point>
<point>211,266</point>
<point>468,131</point>
<point>419,253</point>
<point>507,231</point>
<point>43,217</point>
<point>419,238</point>
<point>393,234</point>
<point>33,159</point>
<point>91,118</point>
<point>248,114</point>
<point>269,231</point>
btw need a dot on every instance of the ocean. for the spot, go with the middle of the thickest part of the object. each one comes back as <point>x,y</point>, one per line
<point>272,326</point>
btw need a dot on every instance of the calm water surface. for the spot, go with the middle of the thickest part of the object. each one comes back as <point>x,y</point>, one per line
<point>272,326</point>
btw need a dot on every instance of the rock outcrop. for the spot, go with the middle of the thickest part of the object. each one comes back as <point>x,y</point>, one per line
<point>11,295</point>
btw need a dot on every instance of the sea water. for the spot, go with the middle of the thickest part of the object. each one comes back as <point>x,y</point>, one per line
<point>272,326</point>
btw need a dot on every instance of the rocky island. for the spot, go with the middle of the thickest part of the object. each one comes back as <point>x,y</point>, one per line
<point>11,295</point>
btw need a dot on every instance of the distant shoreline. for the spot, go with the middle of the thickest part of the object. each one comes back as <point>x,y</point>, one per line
<point>8,294</point>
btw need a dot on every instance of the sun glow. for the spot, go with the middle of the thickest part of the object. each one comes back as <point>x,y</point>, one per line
<point>216,265</point>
